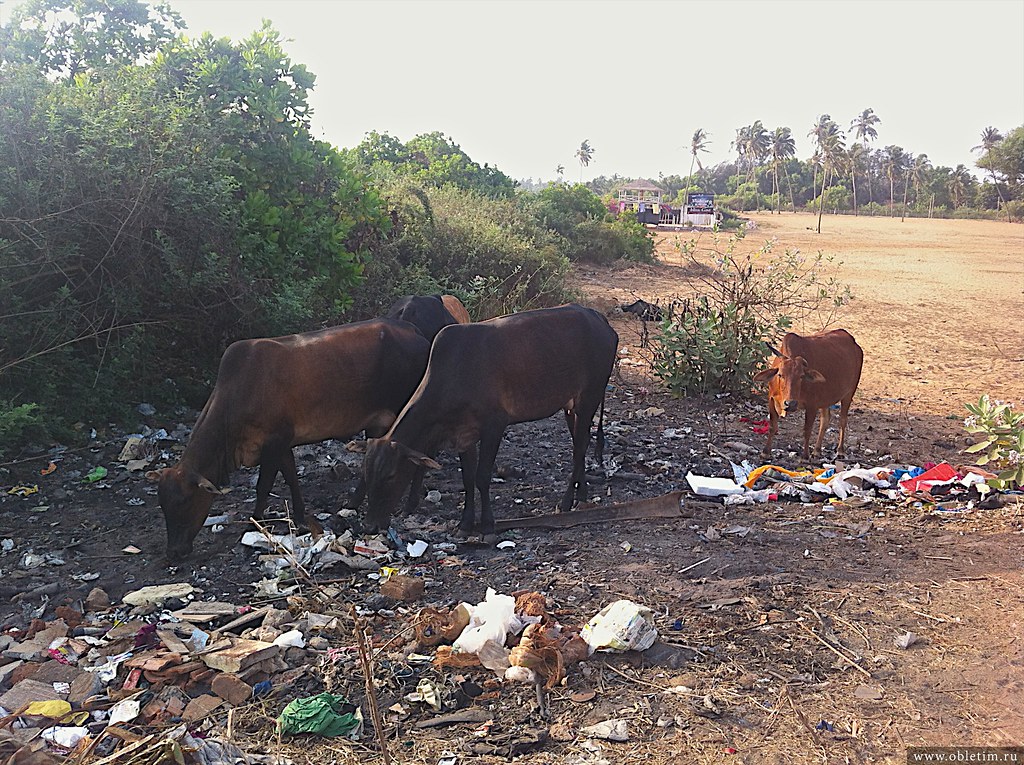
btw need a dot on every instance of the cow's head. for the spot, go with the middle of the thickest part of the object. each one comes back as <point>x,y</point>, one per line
<point>786,379</point>
<point>185,498</point>
<point>388,468</point>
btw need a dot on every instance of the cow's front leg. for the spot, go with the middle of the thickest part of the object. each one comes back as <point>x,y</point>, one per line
<point>468,462</point>
<point>826,418</point>
<point>489,443</point>
<point>773,428</point>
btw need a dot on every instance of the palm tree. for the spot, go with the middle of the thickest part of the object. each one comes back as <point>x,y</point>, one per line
<point>863,126</point>
<point>584,154</point>
<point>782,148</point>
<point>918,174</point>
<point>758,146</point>
<point>831,147</point>
<point>957,185</point>
<point>894,159</point>
<point>990,138</point>
<point>698,143</point>
<point>853,156</point>
<point>560,169</point>
<point>741,143</point>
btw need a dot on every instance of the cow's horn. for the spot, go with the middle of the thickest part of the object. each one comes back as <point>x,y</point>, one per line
<point>773,349</point>
<point>208,485</point>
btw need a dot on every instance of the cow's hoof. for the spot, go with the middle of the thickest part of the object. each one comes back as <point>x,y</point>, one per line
<point>490,539</point>
<point>463,533</point>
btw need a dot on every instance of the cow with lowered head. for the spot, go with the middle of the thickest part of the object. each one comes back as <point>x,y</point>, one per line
<point>480,379</point>
<point>275,393</point>
<point>811,373</point>
<point>429,313</point>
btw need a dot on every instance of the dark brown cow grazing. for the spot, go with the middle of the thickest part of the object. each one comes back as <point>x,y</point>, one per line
<point>429,313</point>
<point>483,377</point>
<point>812,373</point>
<point>276,393</point>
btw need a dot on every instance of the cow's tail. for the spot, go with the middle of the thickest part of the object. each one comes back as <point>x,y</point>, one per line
<point>599,446</point>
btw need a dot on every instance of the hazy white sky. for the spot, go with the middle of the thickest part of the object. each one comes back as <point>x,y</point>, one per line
<point>521,84</point>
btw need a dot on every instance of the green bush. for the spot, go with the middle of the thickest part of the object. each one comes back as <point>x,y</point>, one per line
<point>705,348</point>
<point>716,342</point>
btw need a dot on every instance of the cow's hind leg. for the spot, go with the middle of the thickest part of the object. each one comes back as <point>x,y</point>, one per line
<point>271,463</point>
<point>580,441</point>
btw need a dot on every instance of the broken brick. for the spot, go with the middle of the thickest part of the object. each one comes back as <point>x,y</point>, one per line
<point>232,689</point>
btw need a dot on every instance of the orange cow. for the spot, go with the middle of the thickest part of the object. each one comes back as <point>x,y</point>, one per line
<point>812,373</point>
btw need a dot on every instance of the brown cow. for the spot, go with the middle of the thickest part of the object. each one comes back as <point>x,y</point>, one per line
<point>276,393</point>
<point>812,373</point>
<point>456,308</point>
<point>480,379</point>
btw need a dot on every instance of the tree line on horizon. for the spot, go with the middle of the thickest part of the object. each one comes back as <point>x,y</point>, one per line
<point>846,174</point>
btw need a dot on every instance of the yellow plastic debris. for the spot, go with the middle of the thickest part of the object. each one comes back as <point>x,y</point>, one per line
<point>54,709</point>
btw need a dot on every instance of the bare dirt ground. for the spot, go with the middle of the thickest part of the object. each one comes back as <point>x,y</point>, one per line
<point>750,621</point>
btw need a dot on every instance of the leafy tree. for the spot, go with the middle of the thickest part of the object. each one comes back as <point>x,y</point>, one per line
<point>149,214</point>
<point>430,158</point>
<point>585,155</point>
<point>66,38</point>
<point>560,170</point>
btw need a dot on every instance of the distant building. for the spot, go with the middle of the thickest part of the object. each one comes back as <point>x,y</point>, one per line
<point>644,198</point>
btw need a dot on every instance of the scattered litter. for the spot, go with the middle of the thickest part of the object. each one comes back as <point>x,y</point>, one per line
<point>415,549</point>
<point>23,491</point>
<point>609,730</point>
<point>98,473</point>
<point>131,550</point>
<point>156,594</point>
<point>906,640</point>
<point>621,626</point>
<point>506,545</point>
<point>324,714</point>
<point>706,486</point>
<point>427,693</point>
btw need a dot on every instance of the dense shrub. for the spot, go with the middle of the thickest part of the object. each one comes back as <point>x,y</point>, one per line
<point>491,253</point>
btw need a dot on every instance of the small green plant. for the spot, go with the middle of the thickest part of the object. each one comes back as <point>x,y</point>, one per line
<point>1002,439</point>
<point>15,422</point>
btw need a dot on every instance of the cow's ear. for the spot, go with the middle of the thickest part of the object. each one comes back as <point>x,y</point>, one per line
<point>154,475</point>
<point>766,375</point>
<point>814,376</point>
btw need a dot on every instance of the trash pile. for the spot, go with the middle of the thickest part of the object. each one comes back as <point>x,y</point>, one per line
<point>121,683</point>
<point>84,684</point>
<point>947,488</point>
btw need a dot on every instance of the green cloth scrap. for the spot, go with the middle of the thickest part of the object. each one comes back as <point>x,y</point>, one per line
<point>320,714</point>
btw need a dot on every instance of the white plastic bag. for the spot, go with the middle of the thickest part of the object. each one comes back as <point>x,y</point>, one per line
<point>491,620</point>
